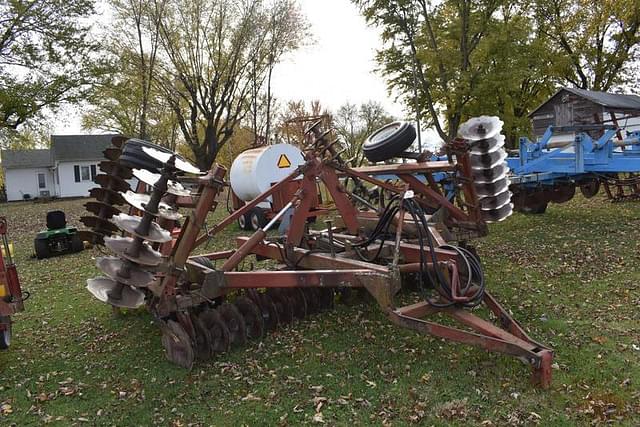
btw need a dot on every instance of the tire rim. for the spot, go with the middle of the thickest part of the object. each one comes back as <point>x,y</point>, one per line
<point>242,221</point>
<point>255,222</point>
<point>383,133</point>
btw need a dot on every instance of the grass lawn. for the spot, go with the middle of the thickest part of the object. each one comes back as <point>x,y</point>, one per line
<point>571,277</point>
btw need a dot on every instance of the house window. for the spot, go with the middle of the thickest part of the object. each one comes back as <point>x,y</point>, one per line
<point>84,173</point>
<point>41,181</point>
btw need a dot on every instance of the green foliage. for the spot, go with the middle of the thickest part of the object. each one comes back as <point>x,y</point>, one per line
<point>500,57</point>
<point>596,41</point>
<point>44,57</point>
<point>355,123</point>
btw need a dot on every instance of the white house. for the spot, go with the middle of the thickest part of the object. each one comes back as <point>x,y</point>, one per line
<point>67,169</point>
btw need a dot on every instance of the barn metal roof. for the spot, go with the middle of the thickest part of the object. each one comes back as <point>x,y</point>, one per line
<point>606,99</point>
<point>19,159</point>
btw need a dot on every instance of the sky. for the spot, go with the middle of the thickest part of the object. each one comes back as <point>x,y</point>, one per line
<point>337,68</point>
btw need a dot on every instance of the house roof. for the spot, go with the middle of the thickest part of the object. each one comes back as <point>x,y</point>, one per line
<point>18,159</point>
<point>79,147</point>
<point>611,100</point>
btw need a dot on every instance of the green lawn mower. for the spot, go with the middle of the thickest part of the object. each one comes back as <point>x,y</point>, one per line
<point>57,239</point>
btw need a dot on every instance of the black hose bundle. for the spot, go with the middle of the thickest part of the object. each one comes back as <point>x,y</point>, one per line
<point>428,281</point>
<point>475,275</point>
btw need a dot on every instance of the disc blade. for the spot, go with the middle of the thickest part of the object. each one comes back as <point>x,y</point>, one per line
<point>487,161</point>
<point>99,223</point>
<point>489,145</point>
<point>492,189</point>
<point>112,153</point>
<point>103,210</point>
<point>218,330</point>
<point>495,202</point>
<point>497,215</point>
<point>140,201</point>
<point>235,323</point>
<point>131,224</point>
<point>180,163</point>
<point>111,182</point>
<point>122,245</point>
<point>107,291</point>
<point>178,345</point>
<point>482,127</point>
<point>107,196</point>
<point>491,175</point>
<point>124,272</point>
<point>151,179</point>
<point>115,168</point>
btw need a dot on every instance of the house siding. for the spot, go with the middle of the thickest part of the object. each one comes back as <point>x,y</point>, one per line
<point>25,181</point>
<point>68,185</point>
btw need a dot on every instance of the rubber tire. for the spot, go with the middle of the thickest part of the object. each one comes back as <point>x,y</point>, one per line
<point>257,219</point>
<point>77,245</point>
<point>389,141</point>
<point>135,158</point>
<point>244,222</point>
<point>5,336</point>
<point>590,188</point>
<point>42,248</point>
<point>538,209</point>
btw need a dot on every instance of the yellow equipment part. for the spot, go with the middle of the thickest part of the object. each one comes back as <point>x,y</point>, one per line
<point>4,252</point>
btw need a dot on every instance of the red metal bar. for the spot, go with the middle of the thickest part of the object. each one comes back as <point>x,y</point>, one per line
<point>295,279</point>
<point>420,188</point>
<point>308,260</point>
<point>348,211</point>
<point>407,168</point>
<point>247,207</point>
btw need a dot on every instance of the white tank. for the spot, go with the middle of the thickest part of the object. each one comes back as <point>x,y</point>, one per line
<point>254,171</point>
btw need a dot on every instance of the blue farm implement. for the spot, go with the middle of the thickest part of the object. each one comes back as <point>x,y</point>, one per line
<point>550,171</point>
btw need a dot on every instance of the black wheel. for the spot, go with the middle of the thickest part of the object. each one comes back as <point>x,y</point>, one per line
<point>562,193</point>
<point>590,188</point>
<point>135,158</point>
<point>42,248</point>
<point>244,222</point>
<point>77,244</point>
<point>257,219</point>
<point>389,141</point>
<point>5,334</point>
<point>537,209</point>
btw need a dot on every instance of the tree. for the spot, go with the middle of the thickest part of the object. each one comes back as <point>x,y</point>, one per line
<point>44,57</point>
<point>297,117</point>
<point>596,42</point>
<point>439,41</point>
<point>354,124</point>
<point>211,50</point>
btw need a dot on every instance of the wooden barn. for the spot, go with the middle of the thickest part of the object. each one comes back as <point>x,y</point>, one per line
<point>569,106</point>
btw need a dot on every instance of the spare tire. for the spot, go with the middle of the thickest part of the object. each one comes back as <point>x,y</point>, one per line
<point>135,158</point>
<point>389,141</point>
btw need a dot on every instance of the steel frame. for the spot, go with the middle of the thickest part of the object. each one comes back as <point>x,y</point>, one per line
<point>309,268</point>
